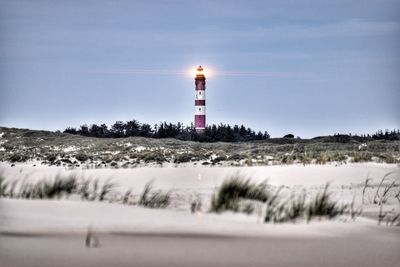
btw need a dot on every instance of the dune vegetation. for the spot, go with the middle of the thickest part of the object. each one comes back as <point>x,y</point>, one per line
<point>72,151</point>
<point>237,194</point>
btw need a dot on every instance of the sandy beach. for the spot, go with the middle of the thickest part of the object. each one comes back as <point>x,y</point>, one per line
<point>190,176</point>
<point>52,232</point>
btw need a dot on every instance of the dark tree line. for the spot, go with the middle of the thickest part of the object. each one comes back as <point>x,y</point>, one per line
<point>212,133</point>
<point>387,135</point>
<point>379,135</point>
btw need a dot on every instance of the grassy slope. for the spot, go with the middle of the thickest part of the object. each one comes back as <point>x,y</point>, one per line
<point>66,149</point>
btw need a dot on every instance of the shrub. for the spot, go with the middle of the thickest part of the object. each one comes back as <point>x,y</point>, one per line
<point>65,160</point>
<point>46,189</point>
<point>339,157</point>
<point>387,158</point>
<point>273,210</point>
<point>195,205</point>
<point>106,189</point>
<point>323,205</point>
<point>182,158</point>
<point>154,199</point>
<point>127,196</point>
<point>322,158</point>
<point>237,157</point>
<point>84,189</point>
<point>154,157</point>
<point>288,136</point>
<point>248,208</point>
<point>296,206</point>
<point>51,157</point>
<point>234,189</point>
<point>56,188</point>
<point>361,157</point>
<point>287,159</point>
<point>305,159</point>
<point>18,157</point>
<point>81,157</point>
<point>218,159</point>
<point>95,187</point>
<point>3,186</point>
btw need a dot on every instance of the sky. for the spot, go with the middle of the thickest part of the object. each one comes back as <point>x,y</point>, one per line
<point>303,67</point>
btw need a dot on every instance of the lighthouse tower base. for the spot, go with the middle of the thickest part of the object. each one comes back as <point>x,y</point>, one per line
<point>200,131</point>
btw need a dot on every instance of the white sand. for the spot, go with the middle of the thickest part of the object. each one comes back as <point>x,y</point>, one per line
<point>63,216</point>
<point>198,181</point>
<point>188,177</point>
<point>187,182</point>
<point>52,232</point>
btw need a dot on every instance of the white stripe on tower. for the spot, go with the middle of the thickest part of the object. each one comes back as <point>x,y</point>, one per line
<point>200,94</point>
<point>200,110</point>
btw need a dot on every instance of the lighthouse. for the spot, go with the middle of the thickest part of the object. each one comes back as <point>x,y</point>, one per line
<point>200,101</point>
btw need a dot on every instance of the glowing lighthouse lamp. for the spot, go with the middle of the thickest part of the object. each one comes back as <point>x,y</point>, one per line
<point>200,101</point>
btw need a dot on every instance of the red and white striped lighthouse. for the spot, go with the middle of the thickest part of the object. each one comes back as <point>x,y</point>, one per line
<point>200,101</point>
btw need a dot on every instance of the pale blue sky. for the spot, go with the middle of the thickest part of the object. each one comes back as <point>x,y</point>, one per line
<point>327,66</point>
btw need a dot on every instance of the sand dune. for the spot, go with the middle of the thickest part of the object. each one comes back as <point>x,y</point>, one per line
<point>52,232</point>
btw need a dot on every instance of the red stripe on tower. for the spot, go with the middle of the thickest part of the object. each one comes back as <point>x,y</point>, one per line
<point>200,101</point>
